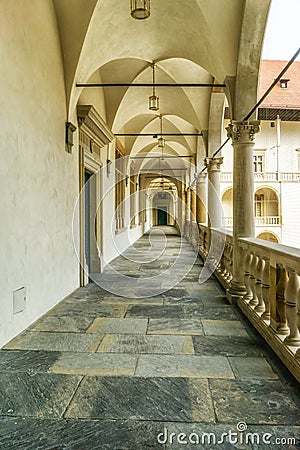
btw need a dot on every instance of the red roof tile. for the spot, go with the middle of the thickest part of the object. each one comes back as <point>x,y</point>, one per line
<point>279,97</point>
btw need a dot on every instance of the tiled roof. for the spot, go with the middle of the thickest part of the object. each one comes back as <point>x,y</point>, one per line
<point>280,97</point>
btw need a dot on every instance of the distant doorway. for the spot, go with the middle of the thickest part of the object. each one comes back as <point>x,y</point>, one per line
<point>162,215</point>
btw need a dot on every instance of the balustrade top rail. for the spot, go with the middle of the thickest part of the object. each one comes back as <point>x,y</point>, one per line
<point>266,176</point>
<point>259,221</point>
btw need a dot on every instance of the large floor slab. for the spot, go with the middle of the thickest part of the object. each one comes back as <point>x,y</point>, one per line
<point>144,344</point>
<point>159,399</point>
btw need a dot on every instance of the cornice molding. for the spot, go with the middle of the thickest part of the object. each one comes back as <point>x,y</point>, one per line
<point>90,121</point>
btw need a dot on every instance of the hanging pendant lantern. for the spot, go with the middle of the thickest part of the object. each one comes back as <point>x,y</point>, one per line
<point>140,9</point>
<point>153,99</point>
<point>160,140</point>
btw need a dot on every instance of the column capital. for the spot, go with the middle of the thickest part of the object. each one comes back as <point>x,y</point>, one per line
<point>214,164</point>
<point>243,131</point>
<point>200,177</point>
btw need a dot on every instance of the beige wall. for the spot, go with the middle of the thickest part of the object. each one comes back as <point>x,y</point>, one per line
<point>39,180</point>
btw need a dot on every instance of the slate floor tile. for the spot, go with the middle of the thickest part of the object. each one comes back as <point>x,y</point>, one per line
<point>175,326</point>
<point>72,434</point>
<point>215,301</point>
<point>119,326</point>
<point>63,323</point>
<point>154,311</point>
<point>27,361</point>
<point>227,346</point>
<point>88,309</point>
<point>37,395</point>
<point>95,364</point>
<point>202,312</point>
<point>113,300</point>
<point>143,399</point>
<point>223,328</point>
<point>251,367</point>
<point>65,342</point>
<point>140,344</point>
<point>188,366</point>
<point>254,402</point>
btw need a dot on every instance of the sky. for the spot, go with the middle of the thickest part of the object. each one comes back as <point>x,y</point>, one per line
<point>282,38</point>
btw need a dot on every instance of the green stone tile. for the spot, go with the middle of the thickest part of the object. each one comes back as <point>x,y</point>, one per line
<point>80,309</point>
<point>113,300</point>
<point>175,326</point>
<point>217,313</point>
<point>65,342</point>
<point>139,344</point>
<point>253,402</point>
<point>95,364</point>
<point>77,434</point>
<point>27,361</point>
<point>154,311</point>
<point>251,367</point>
<point>188,366</point>
<point>63,324</point>
<point>119,326</point>
<point>135,398</point>
<point>36,395</point>
<point>223,328</point>
<point>227,346</point>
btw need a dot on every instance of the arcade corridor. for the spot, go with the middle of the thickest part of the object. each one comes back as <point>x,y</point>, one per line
<point>102,371</point>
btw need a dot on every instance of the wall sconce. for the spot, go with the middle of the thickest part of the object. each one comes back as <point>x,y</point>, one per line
<point>70,128</point>
<point>108,167</point>
<point>126,180</point>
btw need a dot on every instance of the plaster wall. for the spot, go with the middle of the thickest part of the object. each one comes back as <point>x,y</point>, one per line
<point>290,214</point>
<point>39,180</point>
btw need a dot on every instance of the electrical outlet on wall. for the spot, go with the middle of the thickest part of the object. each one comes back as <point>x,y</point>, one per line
<point>19,300</point>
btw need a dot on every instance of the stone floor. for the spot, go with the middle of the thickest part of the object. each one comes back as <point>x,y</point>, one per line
<point>163,365</point>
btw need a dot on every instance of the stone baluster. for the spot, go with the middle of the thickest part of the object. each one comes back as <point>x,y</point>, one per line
<point>298,319</point>
<point>265,279</point>
<point>223,263</point>
<point>291,292</point>
<point>254,301</point>
<point>260,307</point>
<point>281,303</point>
<point>248,296</point>
<point>230,257</point>
<point>224,259</point>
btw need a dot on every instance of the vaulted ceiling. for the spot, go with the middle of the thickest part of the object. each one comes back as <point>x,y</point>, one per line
<point>191,41</point>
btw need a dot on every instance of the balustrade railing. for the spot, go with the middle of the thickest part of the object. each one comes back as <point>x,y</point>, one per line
<point>227,177</point>
<point>272,286</point>
<point>259,221</point>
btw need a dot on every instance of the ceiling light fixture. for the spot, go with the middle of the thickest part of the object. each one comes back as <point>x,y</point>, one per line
<point>140,9</point>
<point>161,141</point>
<point>153,99</point>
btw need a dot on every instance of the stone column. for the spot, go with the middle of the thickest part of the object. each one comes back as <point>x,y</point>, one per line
<point>213,191</point>
<point>193,204</point>
<point>187,212</point>
<point>242,135</point>
<point>201,198</point>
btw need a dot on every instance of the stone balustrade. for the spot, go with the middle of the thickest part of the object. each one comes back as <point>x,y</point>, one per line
<point>272,288</point>
<point>227,177</point>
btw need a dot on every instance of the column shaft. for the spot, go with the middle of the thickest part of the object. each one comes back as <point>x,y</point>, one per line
<point>213,191</point>
<point>242,134</point>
